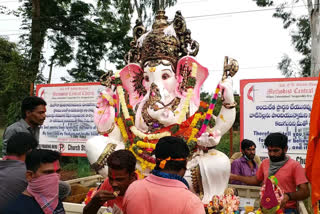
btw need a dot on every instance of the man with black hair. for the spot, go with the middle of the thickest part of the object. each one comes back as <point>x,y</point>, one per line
<point>42,193</point>
<point>33,113</point>
<point>12,167</point>
<point>289,173</point>
<point>245,165</point>
<point>121,173</point>
<point>164,190</point>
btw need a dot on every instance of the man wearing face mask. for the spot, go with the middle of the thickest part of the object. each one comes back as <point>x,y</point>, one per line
<point>290,174</point>
<point>13,169</point>
<point>33,113</point>
<point>42,193</point>
<point>245,165</point>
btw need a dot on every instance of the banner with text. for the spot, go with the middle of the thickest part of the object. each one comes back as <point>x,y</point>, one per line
<point>277,105</point>
<point>69,118</point>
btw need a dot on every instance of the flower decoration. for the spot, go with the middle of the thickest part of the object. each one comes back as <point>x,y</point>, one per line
<point>143,144</point>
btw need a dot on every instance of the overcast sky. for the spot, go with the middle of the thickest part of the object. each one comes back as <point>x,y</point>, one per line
<point>236,28</point>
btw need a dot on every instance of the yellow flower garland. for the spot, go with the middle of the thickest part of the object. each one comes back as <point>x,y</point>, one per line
<point>144,163</point>
<point>181,117</point>
<point>194,131</point>
<point>108,98</point>
<point>142,144</point>
<point>122,128</point>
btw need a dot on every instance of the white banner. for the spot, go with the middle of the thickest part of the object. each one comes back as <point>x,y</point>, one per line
<point>69,118</point>
<point>277,105</point>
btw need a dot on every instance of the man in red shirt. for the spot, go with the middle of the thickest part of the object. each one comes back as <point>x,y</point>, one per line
<point>121,173</point>
<point>290,174</point>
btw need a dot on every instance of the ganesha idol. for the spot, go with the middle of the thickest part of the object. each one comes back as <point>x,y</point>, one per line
<point>157,94</point>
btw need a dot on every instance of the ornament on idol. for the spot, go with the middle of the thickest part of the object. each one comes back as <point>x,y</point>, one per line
<point>157,94</point>
<point>271,196</point>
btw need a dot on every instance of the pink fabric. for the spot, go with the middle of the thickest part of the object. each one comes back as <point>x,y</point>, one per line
<point>289,177</point>
<point>158,195</point>
<point>202,74</point>
<point>104,112</point>
<point>45,190</point>
<point>127,75</point>
<point>11,157</point>
<point>269,199</point>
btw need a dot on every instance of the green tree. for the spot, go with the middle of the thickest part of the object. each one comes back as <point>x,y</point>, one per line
<point>305,35</point>
<point>13,85</point>
<point>143,6</point>
<point>106,36</point>
<point>78,31</point>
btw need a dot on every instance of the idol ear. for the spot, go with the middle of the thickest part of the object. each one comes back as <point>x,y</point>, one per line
<point>132,77</point>
<point>185,64</point>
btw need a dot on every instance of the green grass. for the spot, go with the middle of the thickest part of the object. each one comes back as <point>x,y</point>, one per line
<point>80,165</point>
<point>224,145</point>
<point>83,167</point>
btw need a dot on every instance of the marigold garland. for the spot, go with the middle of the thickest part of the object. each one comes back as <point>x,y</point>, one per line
<point>122,128</point>
<point>141,143</point>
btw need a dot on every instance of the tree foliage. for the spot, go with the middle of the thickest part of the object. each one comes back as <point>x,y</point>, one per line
<point>146,9</point>
<point>13,85</point>
<point>82,32</point>
<point>301,35</point>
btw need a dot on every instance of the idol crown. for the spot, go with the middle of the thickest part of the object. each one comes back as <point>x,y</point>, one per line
<point>166,40</point>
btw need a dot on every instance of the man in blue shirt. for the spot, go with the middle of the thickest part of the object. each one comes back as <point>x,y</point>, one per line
<point>42,193</point>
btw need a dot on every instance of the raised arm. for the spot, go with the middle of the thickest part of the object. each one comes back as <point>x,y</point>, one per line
<point>97,201</point>
<point>250,180</point>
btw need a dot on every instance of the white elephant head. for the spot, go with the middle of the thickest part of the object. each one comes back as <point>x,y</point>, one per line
<point>158,91</point>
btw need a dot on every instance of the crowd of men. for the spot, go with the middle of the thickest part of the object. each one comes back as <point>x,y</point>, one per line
<point>30,181</point>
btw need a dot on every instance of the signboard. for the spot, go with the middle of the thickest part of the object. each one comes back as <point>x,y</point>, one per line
<point>277,105</point>
<point>69,117</point>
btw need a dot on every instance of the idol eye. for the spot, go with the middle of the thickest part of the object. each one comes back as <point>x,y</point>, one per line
<point>165,76</point>
<point>146,78</point>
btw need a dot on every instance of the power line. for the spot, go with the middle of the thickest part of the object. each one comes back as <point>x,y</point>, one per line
<point>11,34</point>
<point>247,68</point>
<point>193,17</point>
<point>189,17</point>
<point>16,19</point>
<point>239,12</point>
<point>12,30</point>
<point>1,2</point>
